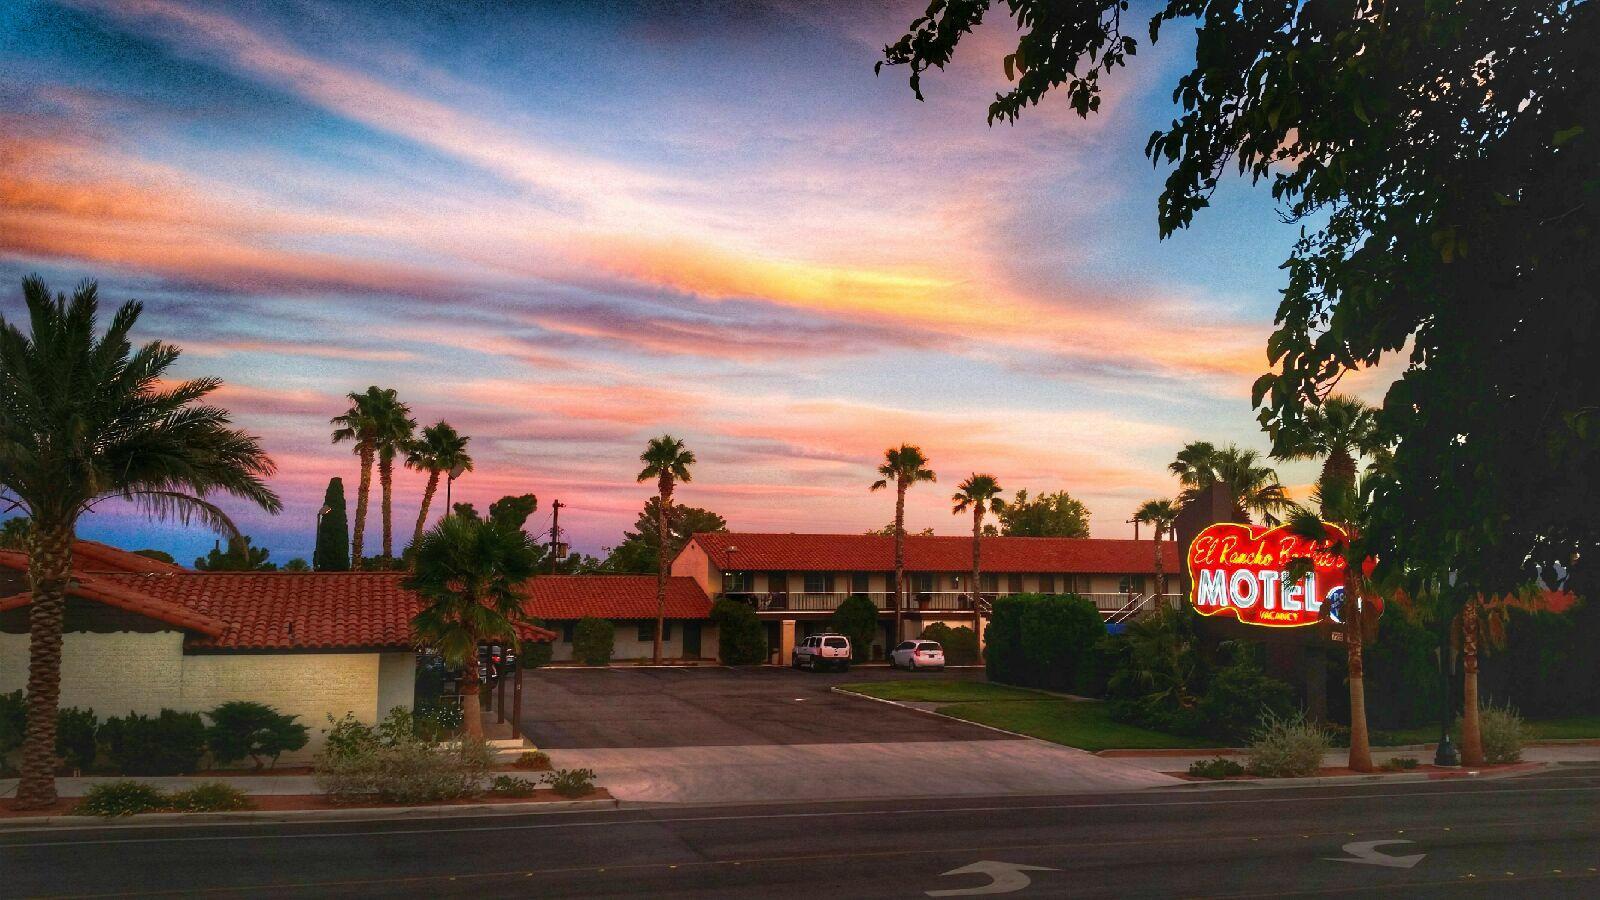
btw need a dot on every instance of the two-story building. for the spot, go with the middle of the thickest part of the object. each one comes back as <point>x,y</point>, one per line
<point>796,581</point>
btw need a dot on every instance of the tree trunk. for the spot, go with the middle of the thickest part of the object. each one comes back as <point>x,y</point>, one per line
<point>1471,728</point>
<point>1161,584</point>
<point>363,494</point>
<point>427,501</point>
<point>1360,748</point>
<point>49,571</point>
<point>900,592</point>
<point>471,714</point>
<point>386,482</point>
<point>661,563</point>
<point>977,570</point>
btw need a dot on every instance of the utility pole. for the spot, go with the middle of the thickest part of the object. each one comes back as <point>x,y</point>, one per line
<point>1135,524</point>
<point>555,534</point>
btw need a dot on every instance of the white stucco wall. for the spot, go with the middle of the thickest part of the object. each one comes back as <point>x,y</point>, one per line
<point>627,646</point>
<point>122,672</point>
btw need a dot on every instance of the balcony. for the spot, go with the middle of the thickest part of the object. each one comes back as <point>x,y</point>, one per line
<point>803,601</point>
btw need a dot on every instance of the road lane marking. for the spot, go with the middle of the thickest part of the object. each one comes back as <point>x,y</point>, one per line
<point>1004,878</point>
<point>1367,853</point>
<point>608,823</point>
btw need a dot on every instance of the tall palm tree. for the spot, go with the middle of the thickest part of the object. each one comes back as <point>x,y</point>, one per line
<point>380,426</point>
<point>981,494</point>
<point>1337,431</point>
<point>666,460</point>
<point>441,450</point>
<point>1160,515</point>
<point>1254,486</point>
<point>470,571</point>
<point>86,418</point>
<point>903,466</point>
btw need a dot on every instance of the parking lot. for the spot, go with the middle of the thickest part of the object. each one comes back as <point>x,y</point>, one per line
<point>720,735</point>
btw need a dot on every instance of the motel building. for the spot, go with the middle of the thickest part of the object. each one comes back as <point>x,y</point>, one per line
<point>796,581</point>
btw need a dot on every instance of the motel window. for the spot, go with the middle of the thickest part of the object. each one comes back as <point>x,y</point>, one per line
<point>860,583</point>
<point>1047,583</point>
<point>922,582</point>
<point>1014,583</point>
<point>567,629</point>
<point>778,582</point>
<point>647,631</point>
<point>1132,584</point>
<point>738,582</point>
<point>989,583</point>
<point>819,583</point>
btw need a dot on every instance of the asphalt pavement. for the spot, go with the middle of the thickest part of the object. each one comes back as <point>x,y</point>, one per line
<point>1537,835</point>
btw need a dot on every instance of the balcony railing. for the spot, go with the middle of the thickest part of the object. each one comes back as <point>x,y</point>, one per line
<point>807,601</point>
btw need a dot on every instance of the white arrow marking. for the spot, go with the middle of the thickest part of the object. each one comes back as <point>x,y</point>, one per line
<point>1004,878</point>
<point>1366,852</point>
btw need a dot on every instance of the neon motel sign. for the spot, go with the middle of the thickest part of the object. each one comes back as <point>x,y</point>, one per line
<point>1241,571</point>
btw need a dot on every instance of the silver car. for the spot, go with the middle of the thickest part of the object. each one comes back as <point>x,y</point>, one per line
<point>916,655</point>
<point>821,651</point>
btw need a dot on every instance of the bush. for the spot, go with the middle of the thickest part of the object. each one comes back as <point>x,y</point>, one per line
<point>390,763</point>
<point>960,644</point>
<point>1237,697</point>
<point>510,786</point>
<point>75,738</point>
<point>1044,640</point>
<point>1400,763</point>
<point>593,641</point>
<point>533,761</point>
<point>1287,746</point>
<point>13,722</point>
<point>211,797</point>
<point>741,637</point>
<point>1219,767</point>
<point>171,743</point>
<point>1502,732</point>
<point>857,619</point>
<point>571,782</point>
<point>241,728</point>
<point>121,798</point>
<point>437,720</point>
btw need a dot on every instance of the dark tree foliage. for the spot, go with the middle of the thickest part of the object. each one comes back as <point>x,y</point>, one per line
<point>1055,514</point>
<point>637,553</point>
<point>157,555</point>
<point>239,557</point>
<point>741,636</point>
<point>857,619</point>
<point>332,552</point>
<point>1444,157</point>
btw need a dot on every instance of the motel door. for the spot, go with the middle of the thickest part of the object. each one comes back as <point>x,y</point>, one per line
<point>691,640</point>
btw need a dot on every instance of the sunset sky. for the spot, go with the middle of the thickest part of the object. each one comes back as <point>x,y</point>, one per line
<point>572,228</point>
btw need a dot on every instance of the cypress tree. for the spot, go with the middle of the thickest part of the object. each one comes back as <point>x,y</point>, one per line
<point>332,553</point>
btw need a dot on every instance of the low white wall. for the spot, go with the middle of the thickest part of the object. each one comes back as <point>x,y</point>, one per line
<point>122,672</point>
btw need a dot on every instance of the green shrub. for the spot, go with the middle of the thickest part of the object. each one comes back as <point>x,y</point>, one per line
<point>534,654</point>
<point>13,722</point>
<point>1237,697</point>
<point>211,797</point>
<point>1400,763</point>
<point>571,782</point>
<point>510,786</point>
<point>533,761</point>
<point>75,738</point>
<point>392,764</point>
<point>593,641</point>
<point>1502,733</point>
<point>437,720</point>
<point>857,619</point>
<point>1003,661</point>
<point>241,728</point>
<point>121,798</point>
<point>1287,746</point>
<point>1219,767</point>
<point>1058,638</point>
<point>960,644</point>
<point>171,743</point>
<point>741,636</point>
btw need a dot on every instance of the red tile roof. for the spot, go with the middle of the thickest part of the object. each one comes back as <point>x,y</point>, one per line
<point>93,556</point>
<point>937,553</point>
<point>101,590</point>
<point>559,597</point>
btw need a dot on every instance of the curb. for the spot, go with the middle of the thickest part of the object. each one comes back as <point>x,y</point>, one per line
<point>296,816</point>
<point>1373,778</point>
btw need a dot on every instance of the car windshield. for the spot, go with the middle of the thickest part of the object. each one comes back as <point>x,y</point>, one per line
<point>927,645</point>
<point>833,642</point>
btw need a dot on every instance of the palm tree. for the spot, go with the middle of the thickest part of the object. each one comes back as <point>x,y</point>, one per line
<point>84,419</point>
<point>980,493</point>
<point>1160,515</point>
<point>379,425</point>
<point>441,450</point>
<point>1254,486</point>
<point>902,466</point>
<point>1337,431</point>
<point>470,572</point>
<point>667,461</point>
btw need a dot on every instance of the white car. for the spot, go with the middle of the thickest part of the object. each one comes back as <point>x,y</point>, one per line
<point>915,655</point>
<point>821,651</point>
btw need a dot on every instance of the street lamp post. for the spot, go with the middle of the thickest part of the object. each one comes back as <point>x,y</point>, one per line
<point>320,513</point>
<point>450,482</point>
<point>1446,754</point>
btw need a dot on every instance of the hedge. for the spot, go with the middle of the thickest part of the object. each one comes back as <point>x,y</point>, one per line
<point>1044,640</point>
<point>593,641</point>
<point>857,619</point>
<point>741,638</point>
<point>960,643</point>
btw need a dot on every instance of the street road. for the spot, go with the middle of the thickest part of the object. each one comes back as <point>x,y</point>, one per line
<point>1535,836</point>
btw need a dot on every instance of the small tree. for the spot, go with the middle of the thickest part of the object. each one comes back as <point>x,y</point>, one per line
<point>332,551</point>
<point>857,619</point>
<point>960,643</point>
<point>593,641</point>
<point>239,557</point>
<point>241,728</point>
<point>741,638</point>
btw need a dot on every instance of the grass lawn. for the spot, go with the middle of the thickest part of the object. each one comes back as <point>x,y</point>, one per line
<point>1075,723</point>
<point>1568,728</point>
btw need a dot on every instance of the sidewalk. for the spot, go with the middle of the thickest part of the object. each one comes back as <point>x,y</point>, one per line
<point>1548,753</point>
